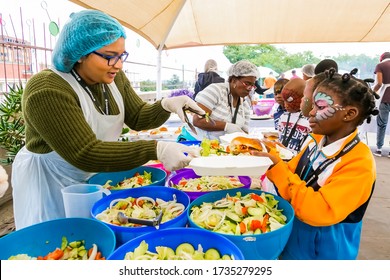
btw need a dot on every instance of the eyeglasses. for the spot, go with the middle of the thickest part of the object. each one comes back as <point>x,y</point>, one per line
<point>113,59</point>
<point>248,86</point>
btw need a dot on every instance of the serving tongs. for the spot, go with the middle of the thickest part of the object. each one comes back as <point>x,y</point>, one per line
<point>203,116</point>
<point>155,222</point>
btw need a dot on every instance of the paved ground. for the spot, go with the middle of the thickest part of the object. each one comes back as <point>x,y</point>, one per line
<point>375,241</point>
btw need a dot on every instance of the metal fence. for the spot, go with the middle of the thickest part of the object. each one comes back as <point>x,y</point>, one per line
<point>26,49</point>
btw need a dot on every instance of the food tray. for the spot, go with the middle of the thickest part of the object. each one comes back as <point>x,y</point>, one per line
<point>230,165</point>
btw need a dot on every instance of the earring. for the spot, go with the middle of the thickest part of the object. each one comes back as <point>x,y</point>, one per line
<point>345,118</point>
<point>234,86</point>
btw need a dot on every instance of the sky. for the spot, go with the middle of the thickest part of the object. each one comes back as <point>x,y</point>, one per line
<point>141,51</point>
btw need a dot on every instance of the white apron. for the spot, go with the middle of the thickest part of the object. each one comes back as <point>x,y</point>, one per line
<point>37,179</point>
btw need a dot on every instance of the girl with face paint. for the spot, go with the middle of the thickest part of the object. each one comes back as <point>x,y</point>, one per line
<point>307,99</point>
<point>330,182</point>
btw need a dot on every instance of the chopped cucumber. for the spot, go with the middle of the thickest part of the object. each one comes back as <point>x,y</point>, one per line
<point>233,217</point>
<point>226,257</point>
<point>185,248</point>
<point>212,254</point>
<point>256,211</point>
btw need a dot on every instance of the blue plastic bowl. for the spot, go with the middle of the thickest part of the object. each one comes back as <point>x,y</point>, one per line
<point>43,238</point>
<point>266,246</point>
<point>158,176</point>
<point>173,237</point>
<point>124,234</point>
<point>189,173</point>
<point>190,143</point>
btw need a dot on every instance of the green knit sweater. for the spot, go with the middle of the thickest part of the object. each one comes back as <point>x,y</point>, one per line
<point>55,122</point>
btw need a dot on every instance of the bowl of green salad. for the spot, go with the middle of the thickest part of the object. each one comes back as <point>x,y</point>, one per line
<point>259,223</point>
<point>178,244</point>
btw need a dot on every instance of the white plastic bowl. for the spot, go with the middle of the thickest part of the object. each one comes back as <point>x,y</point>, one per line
<point>230,165</point>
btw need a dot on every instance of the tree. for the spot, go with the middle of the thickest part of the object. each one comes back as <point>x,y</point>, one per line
<point>148,85</point>
<point>269,56</point>
<point>173,83</point>
<point>364,63</point>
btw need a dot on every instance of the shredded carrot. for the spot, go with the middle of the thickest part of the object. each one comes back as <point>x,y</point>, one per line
<point>55,255</point>
<point>255,224</point>
<point>257,197</point>
<point>242,227</point>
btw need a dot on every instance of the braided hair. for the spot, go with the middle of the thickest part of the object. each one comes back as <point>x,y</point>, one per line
<point>352,91</point>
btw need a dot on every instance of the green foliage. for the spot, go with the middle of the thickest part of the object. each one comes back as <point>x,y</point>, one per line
<point>12,128</point>
<point>269,56</point>
<point>148,85</point>
<point>364,63</point>
<point>281,61</point>
<point>173,83</point>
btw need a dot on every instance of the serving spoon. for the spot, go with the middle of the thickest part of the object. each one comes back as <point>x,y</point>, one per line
<point>123,219</point>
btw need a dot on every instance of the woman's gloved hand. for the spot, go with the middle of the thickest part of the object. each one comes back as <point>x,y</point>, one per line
<point>232,127</point>
<point>172,155</point>
<point>3,181</point>
<point>176,105</point>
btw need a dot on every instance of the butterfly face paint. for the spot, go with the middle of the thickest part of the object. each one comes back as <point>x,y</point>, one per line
<point>325,107</point>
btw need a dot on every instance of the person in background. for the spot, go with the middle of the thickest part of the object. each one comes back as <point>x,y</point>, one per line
<point>307,71</point>
<point>227,103</point>
<point>293,127</point>
<point>330,182</point>
<point>307,99</point>
<point>209,76</point>
<point>279,108</point>
<point>269,81</point>
<point>75,113</point>
<point>382,89</point>
<point>294,75</point>
<point>324,65</point>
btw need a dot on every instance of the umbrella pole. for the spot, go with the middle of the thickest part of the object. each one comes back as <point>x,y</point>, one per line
<point>159,82</point>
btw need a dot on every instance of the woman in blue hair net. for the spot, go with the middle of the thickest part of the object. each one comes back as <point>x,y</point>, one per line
<point>74,115</point>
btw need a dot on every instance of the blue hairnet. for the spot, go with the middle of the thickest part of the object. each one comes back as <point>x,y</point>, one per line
<point>243,68</point>
<point>86,31</point>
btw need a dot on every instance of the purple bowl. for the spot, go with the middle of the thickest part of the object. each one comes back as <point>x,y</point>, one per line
<point>263,107</point>
<point>189,173</point>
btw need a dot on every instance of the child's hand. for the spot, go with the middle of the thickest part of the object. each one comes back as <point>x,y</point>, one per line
<point>275,159</point>
<point>3,181</point>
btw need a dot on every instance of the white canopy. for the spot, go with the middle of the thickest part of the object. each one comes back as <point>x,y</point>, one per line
<point>169,24</point>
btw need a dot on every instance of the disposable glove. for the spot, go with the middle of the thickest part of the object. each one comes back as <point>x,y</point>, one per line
<point>176,105</point>
<point>172,155</point>
<point>232,127</point>
<point>3,181</point>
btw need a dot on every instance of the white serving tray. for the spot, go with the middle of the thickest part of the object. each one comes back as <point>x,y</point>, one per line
<point>230,165</point>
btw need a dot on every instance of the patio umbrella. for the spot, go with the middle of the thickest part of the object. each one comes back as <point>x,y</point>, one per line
<point>264,71</point>
<point>169,24</point>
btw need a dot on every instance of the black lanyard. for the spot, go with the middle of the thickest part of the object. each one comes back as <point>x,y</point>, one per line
<point>312,177</point>
<point>234,118</point>
<point>94,100</point>
<point>284,140</point>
